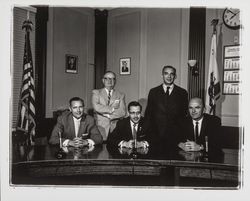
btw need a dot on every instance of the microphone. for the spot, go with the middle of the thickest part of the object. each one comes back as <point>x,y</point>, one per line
<point>60,139</point>
<point>206,144</point>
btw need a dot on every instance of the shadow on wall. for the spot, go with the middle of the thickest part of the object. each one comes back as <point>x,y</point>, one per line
<point>143,102</point>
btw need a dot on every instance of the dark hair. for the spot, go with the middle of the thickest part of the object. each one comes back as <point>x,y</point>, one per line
<point>174,69</point>
<point>76,99</point>
<point>109,72</point>
<point>134,103</point>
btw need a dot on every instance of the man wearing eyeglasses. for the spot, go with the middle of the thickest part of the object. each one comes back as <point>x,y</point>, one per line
<point>108,104</point>
<point>130,132</point>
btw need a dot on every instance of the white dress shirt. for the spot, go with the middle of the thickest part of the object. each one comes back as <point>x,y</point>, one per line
<point>199,125</point>
<point>171,87</point>
<point>77,123</point>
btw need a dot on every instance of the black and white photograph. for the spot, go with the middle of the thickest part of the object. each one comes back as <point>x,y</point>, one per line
<point>155,105</point>
<point>125,67</point>
<point>71,63</point>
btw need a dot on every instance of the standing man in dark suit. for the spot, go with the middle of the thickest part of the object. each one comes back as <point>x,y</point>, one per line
<point>167,105</point>
<point>200,131</point>
<point>130,129</point>
<point>76,128</point>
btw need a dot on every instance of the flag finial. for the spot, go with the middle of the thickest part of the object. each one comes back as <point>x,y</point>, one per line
<point>214,23</point>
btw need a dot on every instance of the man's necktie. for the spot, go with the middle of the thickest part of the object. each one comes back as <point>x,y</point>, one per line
<point>134,133</point>
<point>167,92</point>
<point>109,96</point>
<point>196,131</point>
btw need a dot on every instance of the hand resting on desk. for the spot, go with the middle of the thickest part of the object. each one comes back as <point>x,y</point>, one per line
<point>190,146</point>
<point>78,142</point>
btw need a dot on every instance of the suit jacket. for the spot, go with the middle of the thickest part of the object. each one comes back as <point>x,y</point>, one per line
<point>65,124</point>
<point>164,114</point>
<point>210,127</point>
<point>123,132</point>
<point>101,108</point>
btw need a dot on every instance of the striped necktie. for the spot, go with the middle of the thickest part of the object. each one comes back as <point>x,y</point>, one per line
<point>109,96</point>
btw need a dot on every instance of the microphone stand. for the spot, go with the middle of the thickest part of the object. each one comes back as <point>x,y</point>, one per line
<point>134,149</point>
<point>60,154</point>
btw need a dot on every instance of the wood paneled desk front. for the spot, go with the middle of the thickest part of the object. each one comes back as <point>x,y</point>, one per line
<point>104,165</point>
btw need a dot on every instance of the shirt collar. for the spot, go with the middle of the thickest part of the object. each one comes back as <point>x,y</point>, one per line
<point>75,119</point>
<point>111,91</point>
<point>165,87</point>
<point>200,121</point>
<point>132,124</point>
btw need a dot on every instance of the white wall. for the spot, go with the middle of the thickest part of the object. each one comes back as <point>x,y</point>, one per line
<point>152,38</point>
<point>229,109</point>
<point>70,31</point>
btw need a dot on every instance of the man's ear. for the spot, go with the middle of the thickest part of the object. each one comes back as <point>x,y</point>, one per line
<point>70,109</point>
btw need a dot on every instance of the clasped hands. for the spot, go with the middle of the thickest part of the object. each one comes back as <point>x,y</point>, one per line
<point>78,142</point>
<point>131,144</point>
<point>189,146</point>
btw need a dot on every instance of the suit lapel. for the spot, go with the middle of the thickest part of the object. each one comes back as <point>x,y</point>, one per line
<point>129,131</point>
<point>72,126</point>
<point>81,127</point>
<point>161,98</point>
<point>203,126</point>
<point>190,129</point>
<point>104,95</point>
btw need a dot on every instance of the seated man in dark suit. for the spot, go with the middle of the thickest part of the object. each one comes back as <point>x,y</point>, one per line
<point>75,128</point>
<point>130,130</point>
<point>200,131</point>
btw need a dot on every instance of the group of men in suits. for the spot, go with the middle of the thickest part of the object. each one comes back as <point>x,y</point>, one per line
<point>170,120</point>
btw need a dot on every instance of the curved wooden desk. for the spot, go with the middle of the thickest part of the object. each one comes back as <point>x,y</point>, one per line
<point>102,165</point>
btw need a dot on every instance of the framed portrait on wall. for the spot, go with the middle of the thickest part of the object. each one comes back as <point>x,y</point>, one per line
<point>71,63</point>
<point>125,66</point>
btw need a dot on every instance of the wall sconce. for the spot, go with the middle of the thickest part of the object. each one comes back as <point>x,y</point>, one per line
<point>192,64</point>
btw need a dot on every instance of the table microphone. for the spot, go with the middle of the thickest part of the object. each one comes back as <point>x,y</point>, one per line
<point>60,154</point>
<point>60,139</point>
<point>206,144</point>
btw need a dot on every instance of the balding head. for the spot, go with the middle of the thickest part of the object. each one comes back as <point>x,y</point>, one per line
<point>196,108</point>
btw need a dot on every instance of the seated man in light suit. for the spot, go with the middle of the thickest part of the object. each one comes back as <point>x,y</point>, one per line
<point>76,128</point>
<point>108,104</point>
<point>200,131</point>
<point>129,129</point>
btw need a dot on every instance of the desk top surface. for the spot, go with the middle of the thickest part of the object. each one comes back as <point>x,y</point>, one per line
<point>103,153</point>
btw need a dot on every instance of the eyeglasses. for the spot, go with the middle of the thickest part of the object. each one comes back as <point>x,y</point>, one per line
<point>108,78</point>
<point>133,113</point>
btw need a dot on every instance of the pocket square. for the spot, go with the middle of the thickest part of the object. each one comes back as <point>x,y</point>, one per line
<point>84,134</point>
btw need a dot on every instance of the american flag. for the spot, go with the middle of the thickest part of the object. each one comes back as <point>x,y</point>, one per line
<point>26,118</point>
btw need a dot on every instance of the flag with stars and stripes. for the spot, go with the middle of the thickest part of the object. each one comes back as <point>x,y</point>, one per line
<point>26,123</point>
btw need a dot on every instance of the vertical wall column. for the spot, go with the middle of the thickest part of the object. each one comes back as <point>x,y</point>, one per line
<point>197,28</point>
<point>100,45</point>
<point>40,65</point>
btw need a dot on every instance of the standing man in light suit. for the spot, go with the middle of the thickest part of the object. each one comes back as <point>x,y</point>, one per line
<point>108,104</point>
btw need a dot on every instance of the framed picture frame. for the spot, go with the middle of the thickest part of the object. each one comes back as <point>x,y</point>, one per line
<point>231,51</point>
<point>231,70</point>
<point>125,66</point>
<point>71,63</point>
